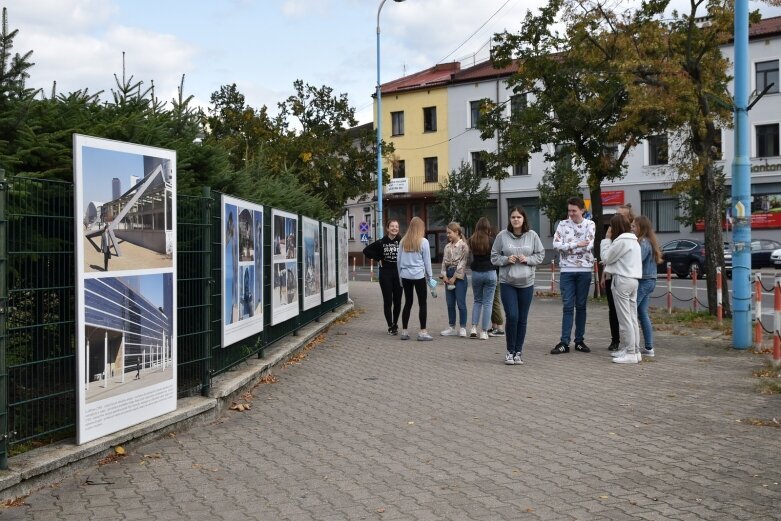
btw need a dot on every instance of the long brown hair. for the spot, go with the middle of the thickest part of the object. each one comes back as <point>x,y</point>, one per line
<point>455,227</point>
<point>644,230</point>
<point>480,241</point>
<point>414,235</point>
<point>619,224</point>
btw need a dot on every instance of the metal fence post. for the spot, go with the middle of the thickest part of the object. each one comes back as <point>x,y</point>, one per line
<point>206,215</point>
<point>3,326</point>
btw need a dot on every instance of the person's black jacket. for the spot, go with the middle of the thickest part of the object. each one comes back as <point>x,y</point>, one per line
<point>384,251</point>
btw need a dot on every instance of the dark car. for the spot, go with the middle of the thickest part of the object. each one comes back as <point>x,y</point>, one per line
<point>684,255</point>
<point>761,251</point>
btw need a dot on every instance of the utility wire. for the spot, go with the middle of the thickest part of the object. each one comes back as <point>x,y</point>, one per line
<point>474,33</point>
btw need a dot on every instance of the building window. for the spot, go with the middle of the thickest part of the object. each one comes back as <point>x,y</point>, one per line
<point>399,169</point>
<point>430,168</point>
<point>661,208</point>
<point>351,227</point>
<point>429,119</point>
<point>657,150</point>
<point>517,103</point>
<point>397,123</point>
<point>767,140</point>
<point>521,167</point>
<point>478,166</point>
<point>767,73</point>
<point>474,113</point>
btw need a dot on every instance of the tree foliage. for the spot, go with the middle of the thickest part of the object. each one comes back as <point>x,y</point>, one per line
<point>462,197</point>
<point>559,182</point>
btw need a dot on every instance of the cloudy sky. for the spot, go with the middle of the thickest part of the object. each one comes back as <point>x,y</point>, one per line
<point>261,45</point>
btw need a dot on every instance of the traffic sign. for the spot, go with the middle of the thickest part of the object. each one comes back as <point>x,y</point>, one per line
<point>363,227</point>
<point>365,237</point>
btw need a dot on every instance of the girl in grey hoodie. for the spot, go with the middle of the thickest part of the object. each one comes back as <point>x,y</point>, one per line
<point>517,251</point>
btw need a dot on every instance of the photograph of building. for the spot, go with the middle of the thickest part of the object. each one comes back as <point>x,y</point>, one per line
<point>131,230</point>
<point>344,273</point>
<point>329,261</point>
<point>310,236</point>
<point>284,269</point>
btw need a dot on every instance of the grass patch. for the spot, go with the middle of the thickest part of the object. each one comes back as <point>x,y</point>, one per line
<point>769,379</point>
<point>689,318</point>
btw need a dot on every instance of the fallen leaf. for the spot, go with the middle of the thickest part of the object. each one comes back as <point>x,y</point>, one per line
<point>119,449</point>
<point>410,423</point>
<point>380,510</point>
<point>604,497</point>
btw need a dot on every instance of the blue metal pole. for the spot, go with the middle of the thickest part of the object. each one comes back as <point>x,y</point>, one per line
<point>378,223</point>
<point>741,188</point>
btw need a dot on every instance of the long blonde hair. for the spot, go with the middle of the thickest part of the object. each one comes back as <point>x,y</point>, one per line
<point>644,230</point>
<point>455,227</point>
<point>414,235</point>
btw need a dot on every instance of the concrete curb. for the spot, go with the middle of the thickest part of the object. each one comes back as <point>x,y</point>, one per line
<point>46,465</point>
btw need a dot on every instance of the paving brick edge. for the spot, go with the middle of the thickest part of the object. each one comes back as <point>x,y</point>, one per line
<point>47,465</point>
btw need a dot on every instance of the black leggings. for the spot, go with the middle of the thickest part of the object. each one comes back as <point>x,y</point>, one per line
<point>611,312</point>
<point>391,295</point>
<point>420,289</point>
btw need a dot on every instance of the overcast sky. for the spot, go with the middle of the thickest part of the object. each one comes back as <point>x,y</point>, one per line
<point>261,45</point>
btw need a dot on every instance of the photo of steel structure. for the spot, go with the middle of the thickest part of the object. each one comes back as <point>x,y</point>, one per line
<point>129,230</point>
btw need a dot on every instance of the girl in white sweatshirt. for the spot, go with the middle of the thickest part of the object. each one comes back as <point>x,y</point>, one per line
<point>622,260</point>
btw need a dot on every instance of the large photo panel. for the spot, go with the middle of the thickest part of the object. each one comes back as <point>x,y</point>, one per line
<point>310,236</point>
<point>125,224</point>
<point>242,272</point>
<point>344,260</point>
<point>284,266</point>
<point>329,262</point>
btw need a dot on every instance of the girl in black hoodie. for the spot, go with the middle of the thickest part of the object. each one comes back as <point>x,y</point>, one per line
<point>384,251</point>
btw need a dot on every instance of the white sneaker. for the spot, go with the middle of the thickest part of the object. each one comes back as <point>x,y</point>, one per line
<point>627,358</point>
<point>508,359</point>
<point>647,352</point>
<point>483,336</point>
<point>619,353</point>
<point>448,332</point>
<point>517,359</point>
<point>473,332</point>
<point>462,332</point>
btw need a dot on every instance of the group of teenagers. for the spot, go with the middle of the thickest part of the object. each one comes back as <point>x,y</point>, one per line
<point>504,265</point>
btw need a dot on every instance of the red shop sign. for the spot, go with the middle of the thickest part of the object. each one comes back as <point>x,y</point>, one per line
<point>612,197</point>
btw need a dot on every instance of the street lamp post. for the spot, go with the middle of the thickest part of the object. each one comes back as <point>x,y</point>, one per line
<point>378,224</point>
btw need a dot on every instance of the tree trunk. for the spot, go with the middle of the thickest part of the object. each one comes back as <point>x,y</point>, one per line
<point>713,195</point>
<point>595,190</point>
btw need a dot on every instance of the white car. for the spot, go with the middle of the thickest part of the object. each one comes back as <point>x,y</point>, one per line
<point>775,258</point>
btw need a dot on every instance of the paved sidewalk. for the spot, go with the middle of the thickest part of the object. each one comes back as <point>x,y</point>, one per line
<point>370,427</point>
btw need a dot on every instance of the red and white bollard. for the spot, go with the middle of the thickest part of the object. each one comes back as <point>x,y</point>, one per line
<point>553,275</point>
<point>354,259</point>
<point>371,269</point>
<point>695,306</point>
<point>596,279</point>
<point>757,311</point>
<point>777,322</point>
<point>719,300</point>
<point>669,288</point>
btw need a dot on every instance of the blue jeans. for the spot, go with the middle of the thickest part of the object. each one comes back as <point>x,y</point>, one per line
<point>457,297</point>
<point>644,291</point>
<point>516,302</point>
<point>483,287</point>
<point>574,286</point>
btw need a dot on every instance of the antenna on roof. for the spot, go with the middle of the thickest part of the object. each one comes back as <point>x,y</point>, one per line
<point>404,69</point>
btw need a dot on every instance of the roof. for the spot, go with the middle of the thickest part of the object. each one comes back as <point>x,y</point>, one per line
<point>483,71</point>
<point>435,76</point>
<point>765,27</point>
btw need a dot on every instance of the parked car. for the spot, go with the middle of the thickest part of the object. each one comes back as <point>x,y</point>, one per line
<point>775,258</point>
<point>684,255</point>
<point>763,255</point>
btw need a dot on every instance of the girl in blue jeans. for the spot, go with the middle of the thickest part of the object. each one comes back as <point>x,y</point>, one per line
<point>651,255</point>
<point>454,276</point>
<point>517,251</point>
<point>483,278</point>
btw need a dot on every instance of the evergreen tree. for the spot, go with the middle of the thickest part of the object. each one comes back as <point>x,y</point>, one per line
<point>462,197</point>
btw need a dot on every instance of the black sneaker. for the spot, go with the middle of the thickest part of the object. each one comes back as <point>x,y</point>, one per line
<point>613,346</point>
<point>582,347</point>
<point>561,347</point>
<point>393,330</point>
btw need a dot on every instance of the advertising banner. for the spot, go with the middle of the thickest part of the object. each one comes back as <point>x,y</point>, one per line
<point>310,236</point>
<point>344,261</point>
<point>765,213</point>
<point>329,262</point>
<point>284,266</point>
<point>242,269</point>
<point>125,229</point>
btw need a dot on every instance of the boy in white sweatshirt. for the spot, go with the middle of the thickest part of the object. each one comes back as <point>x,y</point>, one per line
<point>574,240</point>
<point>623,261</point>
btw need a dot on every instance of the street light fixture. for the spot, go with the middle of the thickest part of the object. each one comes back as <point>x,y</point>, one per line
<point>378,223</point>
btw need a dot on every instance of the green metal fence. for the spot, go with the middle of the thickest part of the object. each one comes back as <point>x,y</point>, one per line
<point>37,308</point>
